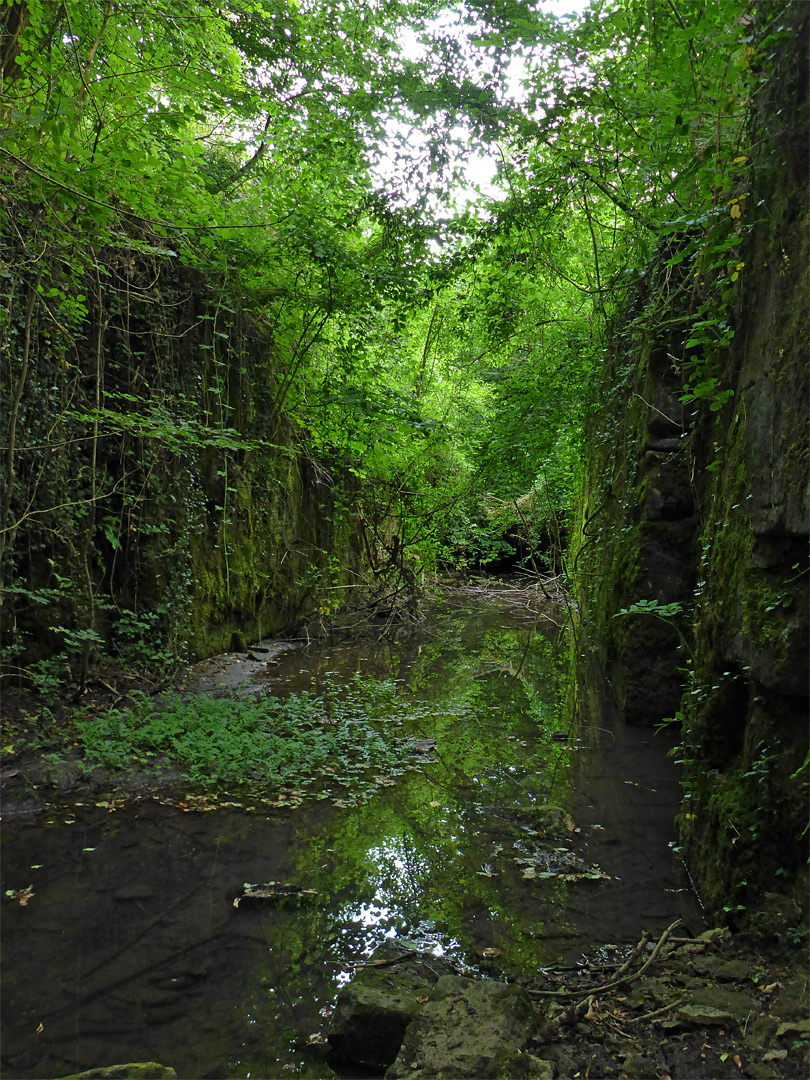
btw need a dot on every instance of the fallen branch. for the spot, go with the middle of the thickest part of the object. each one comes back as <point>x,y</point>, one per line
<point>587,1006</point>
<point>409,955</point>
<point>356,964</point>
<point>620,978</point>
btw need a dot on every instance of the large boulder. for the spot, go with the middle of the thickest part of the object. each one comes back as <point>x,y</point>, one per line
<point>374,1010</point>
<point>468,1028</point>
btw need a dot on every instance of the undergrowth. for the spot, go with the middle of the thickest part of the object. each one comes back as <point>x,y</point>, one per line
<point>276,741</point>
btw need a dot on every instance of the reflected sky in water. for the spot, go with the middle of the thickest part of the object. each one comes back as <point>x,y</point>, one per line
<point>434,856</point>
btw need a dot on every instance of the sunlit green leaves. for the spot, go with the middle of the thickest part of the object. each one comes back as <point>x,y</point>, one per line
<point>302,157</point>
<point>651,607</point>
<point>301,741</point>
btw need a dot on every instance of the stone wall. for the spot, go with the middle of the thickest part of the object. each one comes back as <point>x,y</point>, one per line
<point>706,508</point>
<point>162,502</point>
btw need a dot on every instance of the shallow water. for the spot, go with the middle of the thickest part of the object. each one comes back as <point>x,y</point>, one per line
<point>131,948</point>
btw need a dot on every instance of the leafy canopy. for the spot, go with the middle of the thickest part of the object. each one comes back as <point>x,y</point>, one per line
<point>309,155</point>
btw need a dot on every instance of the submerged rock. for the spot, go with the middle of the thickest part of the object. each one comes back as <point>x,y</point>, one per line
<point>549,820</point>
<point>469,1028</point>
<point>134,892</point>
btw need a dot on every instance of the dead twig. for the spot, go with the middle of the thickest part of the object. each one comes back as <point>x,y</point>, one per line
<point>620,979</point>
<point>409,955</point>
<point>629,961</point>
<point>656,1012</point>
<point>376,963</point>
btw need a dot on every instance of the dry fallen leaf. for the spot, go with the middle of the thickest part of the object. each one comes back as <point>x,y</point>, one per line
<point>775,1055</point>
<point>21,895</point>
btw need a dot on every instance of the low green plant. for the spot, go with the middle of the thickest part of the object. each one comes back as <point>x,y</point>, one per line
<point>48,676</point>
<point>139,640</point>
<point>268,739</point>
<point>666,723</point>
<point>470,539</point>
<point>665,613</point>
<point>651,607</point>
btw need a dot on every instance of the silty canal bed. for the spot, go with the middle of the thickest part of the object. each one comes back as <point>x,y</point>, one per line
<point>130,946</point>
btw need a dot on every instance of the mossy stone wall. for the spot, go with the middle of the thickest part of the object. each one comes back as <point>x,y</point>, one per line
<point>713,514</point>
<point>290,546</point>
<point>163,505</point>
<point>639,524</point>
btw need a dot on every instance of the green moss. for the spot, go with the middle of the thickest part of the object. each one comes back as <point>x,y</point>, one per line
<point>743,821</point>
<point>280,560</point>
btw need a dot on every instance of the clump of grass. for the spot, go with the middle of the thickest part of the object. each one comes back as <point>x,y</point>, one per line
<point>276,741</point>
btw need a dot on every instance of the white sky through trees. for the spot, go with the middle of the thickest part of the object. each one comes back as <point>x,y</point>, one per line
<point>477,171</point>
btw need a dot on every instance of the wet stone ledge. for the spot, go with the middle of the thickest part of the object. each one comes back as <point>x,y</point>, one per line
<point>709,1007</point>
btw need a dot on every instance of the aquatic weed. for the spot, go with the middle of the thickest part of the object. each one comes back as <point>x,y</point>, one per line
<point>230,739</point>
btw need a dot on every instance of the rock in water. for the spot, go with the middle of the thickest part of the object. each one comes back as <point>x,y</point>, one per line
<point>549,820</point>
<point>374,1010</point>
<point>468,1028</point>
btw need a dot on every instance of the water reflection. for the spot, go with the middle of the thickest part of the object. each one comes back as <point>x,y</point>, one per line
<point>131,948</point>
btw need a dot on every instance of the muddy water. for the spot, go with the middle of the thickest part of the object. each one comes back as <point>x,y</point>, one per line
<point>131,948</point>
